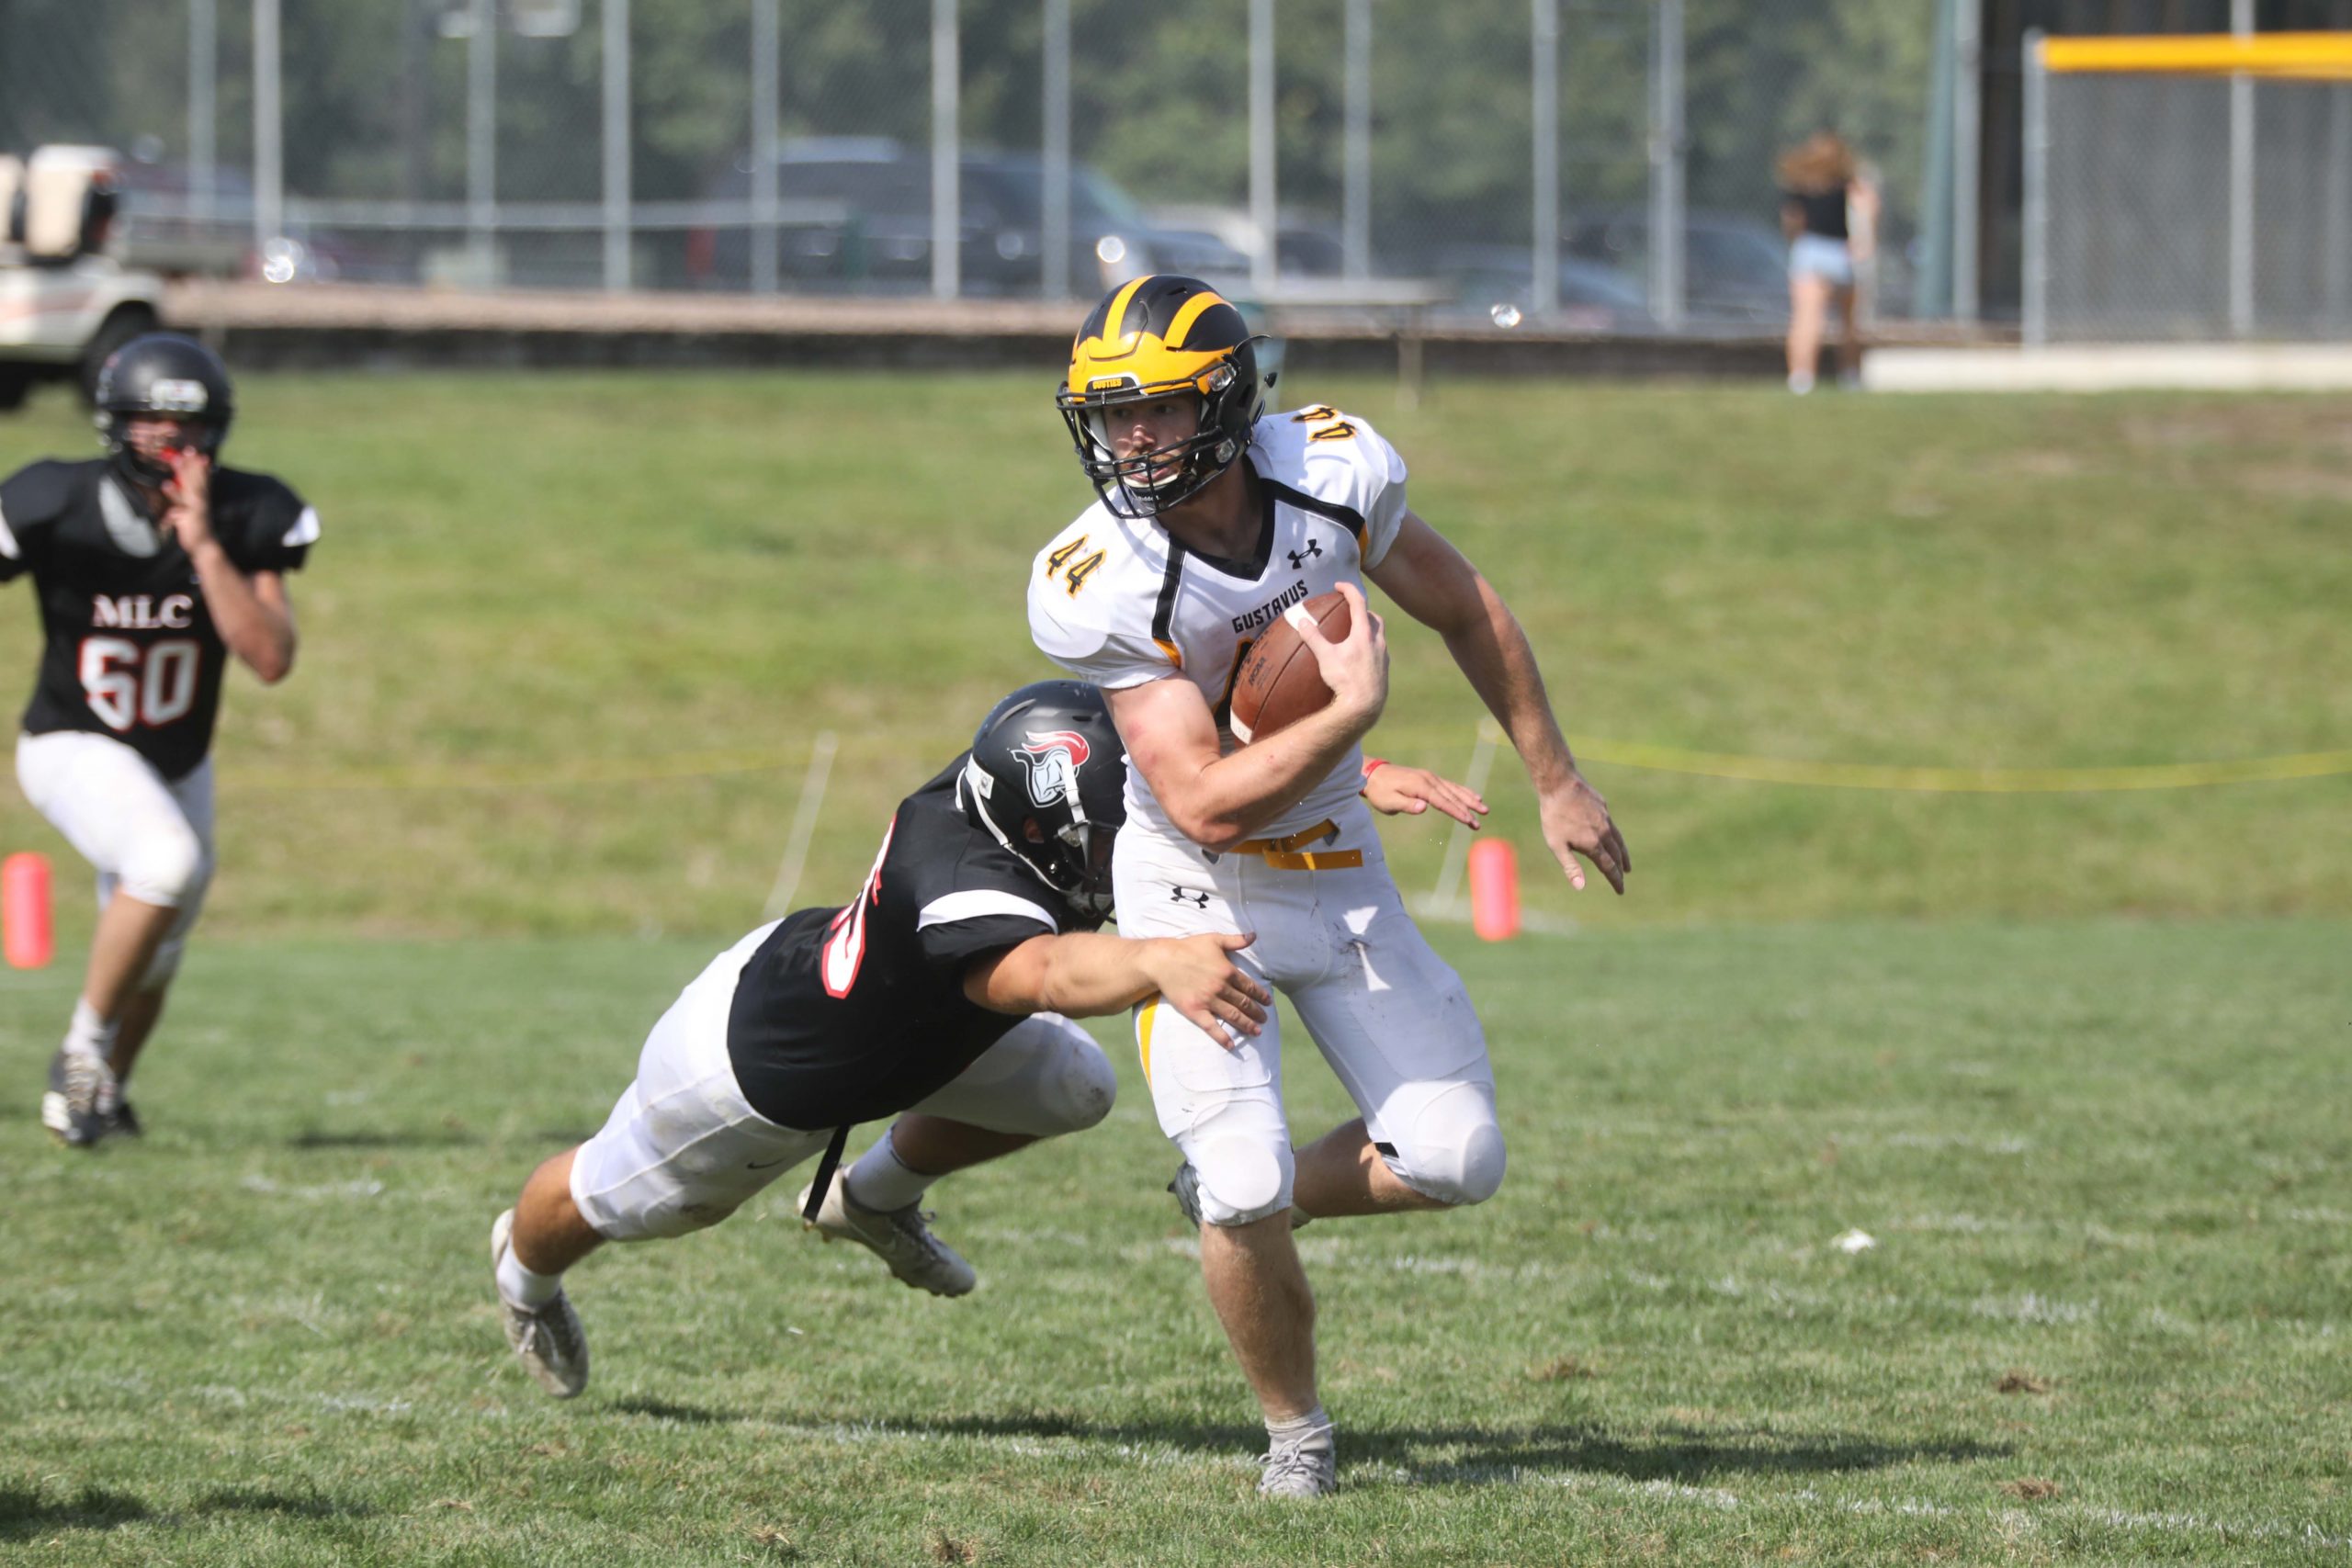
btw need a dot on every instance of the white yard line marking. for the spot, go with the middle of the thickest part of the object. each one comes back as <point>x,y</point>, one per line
<point>803,825</point>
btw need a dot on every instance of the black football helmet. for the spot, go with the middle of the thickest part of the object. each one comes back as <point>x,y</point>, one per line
<point>1156,337</point>
<point>163,373</point>
<point>1048,758</point>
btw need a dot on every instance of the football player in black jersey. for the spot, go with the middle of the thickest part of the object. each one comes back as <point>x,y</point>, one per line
<point>152,564</point>
<point>944,989</point>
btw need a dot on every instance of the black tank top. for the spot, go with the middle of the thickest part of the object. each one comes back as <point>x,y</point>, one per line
<point>1825,212</point>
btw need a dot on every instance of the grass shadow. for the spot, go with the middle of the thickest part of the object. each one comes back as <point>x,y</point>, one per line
<point>247,1500</point>
<point>685,1415</point>
<point>1676,1455</point>
<point>1442,1455</point>
<point>25,1515</point>
<point>433,1138</point>
<point>1474,1455</point>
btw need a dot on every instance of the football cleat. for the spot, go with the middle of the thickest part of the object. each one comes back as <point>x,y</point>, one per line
<point>1187,1190</point>
<point>1308,1468</point>
<point>83,1100</point>
<point>900,1237</point>
<point>548,1339</point>
<point>122,1122</point>
<point>1186,1187</point>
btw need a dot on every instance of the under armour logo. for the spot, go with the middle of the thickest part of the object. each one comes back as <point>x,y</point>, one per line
<point>1298,558</point>
<point>1188,895</point>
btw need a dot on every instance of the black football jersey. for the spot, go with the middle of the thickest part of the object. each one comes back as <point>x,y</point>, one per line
<point>851,1014</point>
<point>132,651</point>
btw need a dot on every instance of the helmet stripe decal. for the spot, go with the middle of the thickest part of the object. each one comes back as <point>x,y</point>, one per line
<point>1116,319</point>
<point>1191,311</point>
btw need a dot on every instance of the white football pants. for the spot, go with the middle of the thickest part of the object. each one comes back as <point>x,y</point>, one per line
<point>1389,1015</point>
<point>150,836</point>
<point>683,1149</point>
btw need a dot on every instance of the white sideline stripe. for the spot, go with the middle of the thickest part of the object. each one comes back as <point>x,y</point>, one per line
<point>1455,911</point>
<point>974,903</point>
<point>268,1189</point>
<point>305,530</point>
<point>2111,367</point>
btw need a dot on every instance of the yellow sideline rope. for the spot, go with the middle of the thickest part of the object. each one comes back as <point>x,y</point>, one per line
<point>526,776</point>
<point>1966,780</point>
<point>1619,753</point>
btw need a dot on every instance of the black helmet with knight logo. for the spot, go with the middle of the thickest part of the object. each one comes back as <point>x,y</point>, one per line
<point>1047,780</point>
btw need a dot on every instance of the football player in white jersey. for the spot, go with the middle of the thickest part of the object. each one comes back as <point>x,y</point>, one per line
<point>1214,517</point>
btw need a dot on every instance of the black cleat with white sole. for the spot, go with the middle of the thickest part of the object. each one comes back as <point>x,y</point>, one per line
<point>83,1102</point>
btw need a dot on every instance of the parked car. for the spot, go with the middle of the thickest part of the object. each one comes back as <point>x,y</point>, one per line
<point>1303,246</point>
<point>1734,268</point>
<point>856,216</point>
<point>1498,282</point>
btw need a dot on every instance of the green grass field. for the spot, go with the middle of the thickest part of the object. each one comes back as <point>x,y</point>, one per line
<point>553,592</point>
<point>2105,1165</point>
<point>2075,1061</point>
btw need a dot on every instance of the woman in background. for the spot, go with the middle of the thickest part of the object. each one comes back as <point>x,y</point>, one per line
<point>1823,193</point>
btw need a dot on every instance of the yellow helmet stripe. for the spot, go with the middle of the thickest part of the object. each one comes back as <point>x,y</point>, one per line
<point>1114,322</point>
<point>1191,311</point>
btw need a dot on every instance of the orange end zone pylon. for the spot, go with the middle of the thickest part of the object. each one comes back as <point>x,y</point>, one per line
<point>1494,890</point>
<point>24,910</point>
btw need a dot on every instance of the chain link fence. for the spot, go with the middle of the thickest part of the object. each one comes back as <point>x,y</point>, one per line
<point>2171,198</point>
<point>1603,162</point>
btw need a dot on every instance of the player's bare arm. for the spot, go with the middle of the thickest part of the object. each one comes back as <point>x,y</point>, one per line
<point>252,611</point>
<point>1218,799</point>
<point>1088,975</point>
<point>1436,585</point>
<point>1394,789</point>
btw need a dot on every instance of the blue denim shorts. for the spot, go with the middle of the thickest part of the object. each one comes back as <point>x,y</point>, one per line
<point>1824,258</point>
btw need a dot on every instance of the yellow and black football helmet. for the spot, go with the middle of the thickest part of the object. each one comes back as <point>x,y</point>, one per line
<point>1157,337</point>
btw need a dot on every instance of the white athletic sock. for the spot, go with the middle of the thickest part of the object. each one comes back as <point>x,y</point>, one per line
<point>523,1288</point>
<point>89,1033</point>
<point>881,1180</point>
<point>1310,1430</point>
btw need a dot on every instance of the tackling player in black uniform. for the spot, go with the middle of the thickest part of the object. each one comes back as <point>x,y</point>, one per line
<point>945,989</point>
<point>151,565</point>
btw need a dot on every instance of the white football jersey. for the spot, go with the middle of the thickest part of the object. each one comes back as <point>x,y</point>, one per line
<point>1115,600</point>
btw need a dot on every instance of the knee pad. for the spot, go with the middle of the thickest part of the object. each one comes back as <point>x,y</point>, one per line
<point>1454,1152</point>
<point>1241,1179</point>
<point>1045,1078</point>
<point>1079,1086</point>
<point>164,868</point>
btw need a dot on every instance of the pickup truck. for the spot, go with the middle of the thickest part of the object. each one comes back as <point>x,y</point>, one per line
<point>65,302</point>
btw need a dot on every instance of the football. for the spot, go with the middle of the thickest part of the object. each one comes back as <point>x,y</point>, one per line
<point>1279,682</point>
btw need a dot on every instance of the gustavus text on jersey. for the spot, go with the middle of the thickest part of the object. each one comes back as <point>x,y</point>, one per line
<point>1296,593</point>
<point>143,611</point>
